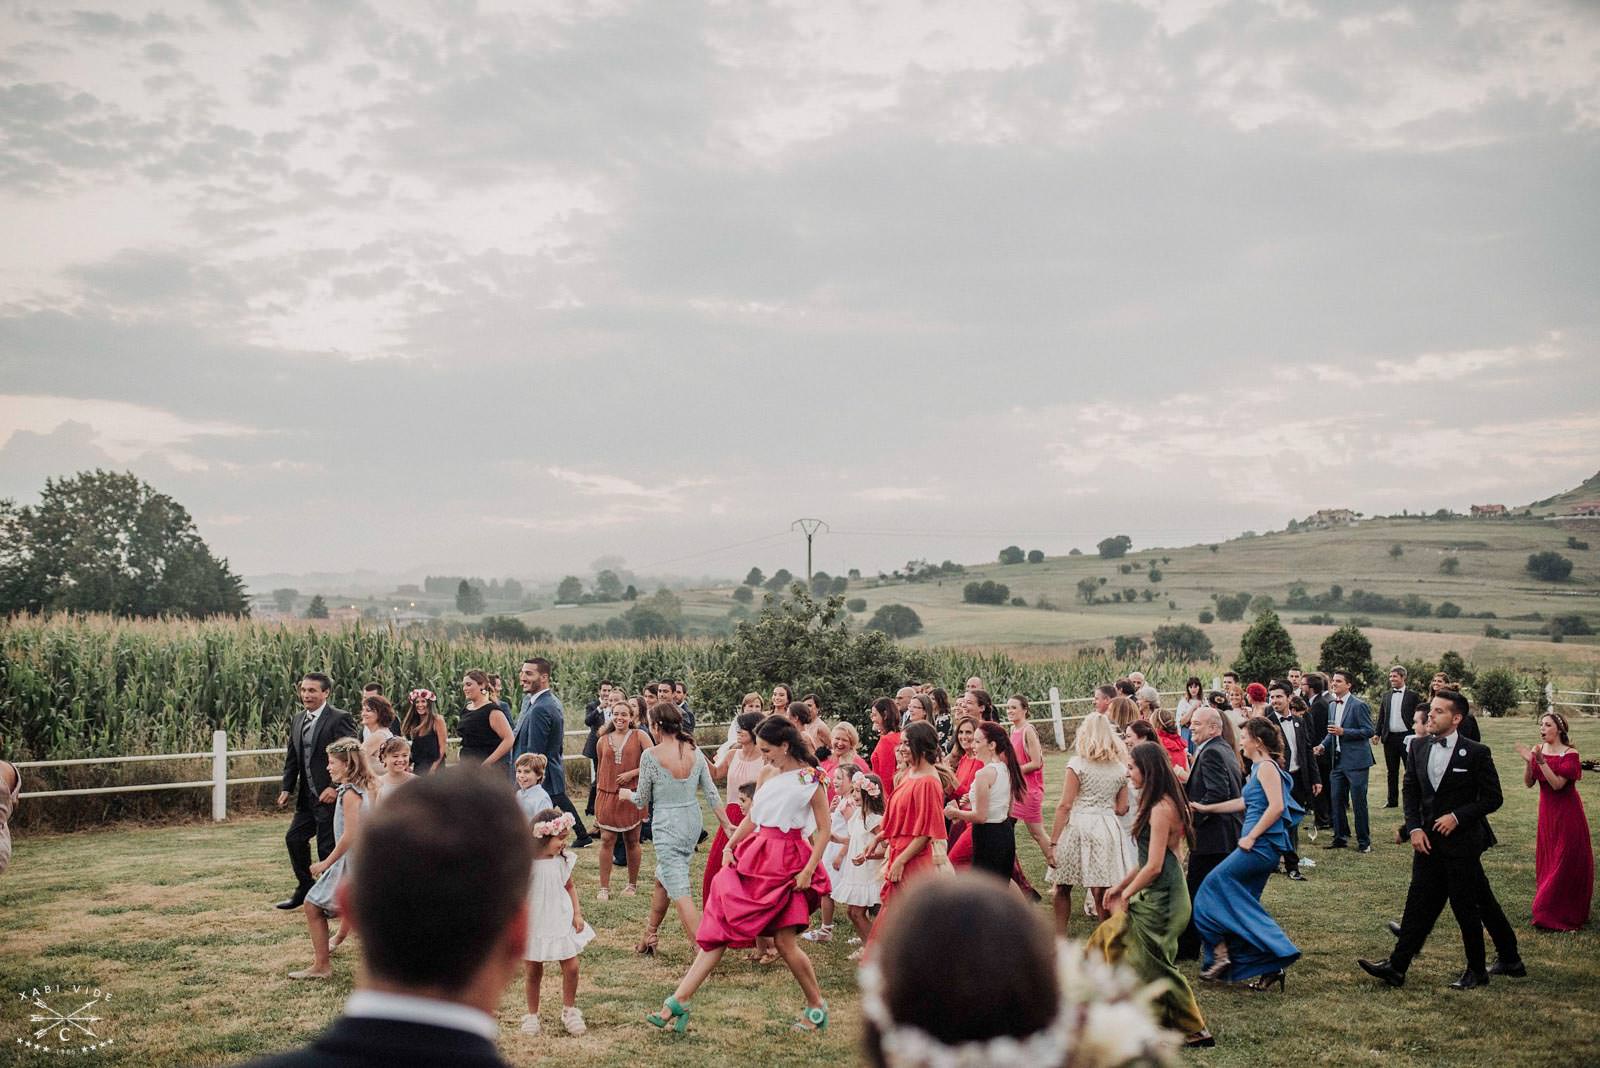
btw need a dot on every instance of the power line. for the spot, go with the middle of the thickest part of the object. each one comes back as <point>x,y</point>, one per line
<point>810,528</point>
<point>713,552</point>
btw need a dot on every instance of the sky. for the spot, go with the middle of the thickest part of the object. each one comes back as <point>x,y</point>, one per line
<point>505,287</point>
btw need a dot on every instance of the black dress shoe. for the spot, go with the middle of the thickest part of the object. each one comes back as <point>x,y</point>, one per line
<point>289,904</point>
<point>1394,928</point>
<point>1381,969</point>
<point>1336,844</point>
<point>1391,804</point>
<point>1297,877</point>
<point>1514,969</point>
<point>1470,980</point>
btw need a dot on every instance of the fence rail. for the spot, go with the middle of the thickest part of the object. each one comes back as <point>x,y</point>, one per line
<point>1554,697</point>
<point>220,754</point>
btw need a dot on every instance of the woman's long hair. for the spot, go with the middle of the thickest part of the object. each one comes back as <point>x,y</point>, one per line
<point>669,723</point>
<point>997,737</point>
<point>890,712</point>
<point>986,710</point>
<point>358,772</point>
<point>923,742</point>
<point>1268,736</point>
<point>411,725</point>
<point>1155,768</point>
<point>780,730</point>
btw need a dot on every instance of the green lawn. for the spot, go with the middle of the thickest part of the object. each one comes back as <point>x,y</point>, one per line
<point>177,923</point>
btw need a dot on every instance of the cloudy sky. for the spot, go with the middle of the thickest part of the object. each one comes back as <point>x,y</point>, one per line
<point>505,286</point>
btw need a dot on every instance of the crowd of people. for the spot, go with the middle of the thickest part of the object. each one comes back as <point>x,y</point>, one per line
<point>1170,822</point>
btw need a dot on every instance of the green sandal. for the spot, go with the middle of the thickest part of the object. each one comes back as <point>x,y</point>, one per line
<point>813,1019</point>
<point>676,1016</point>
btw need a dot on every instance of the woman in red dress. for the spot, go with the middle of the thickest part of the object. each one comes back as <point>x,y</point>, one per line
<point>966,769</point>
<point>1563,861</point>
<point>913,826</point>
<point>886,721</point>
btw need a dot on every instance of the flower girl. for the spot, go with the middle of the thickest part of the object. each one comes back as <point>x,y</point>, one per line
<point>556,931</point>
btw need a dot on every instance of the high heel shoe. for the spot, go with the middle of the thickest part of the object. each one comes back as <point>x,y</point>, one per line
<point>647,944</point>
<point>1200,1040</point>
<point>675,1015</point>
<point>1218,970</point>
<point>1268,981</point>
<point>812,1019</point>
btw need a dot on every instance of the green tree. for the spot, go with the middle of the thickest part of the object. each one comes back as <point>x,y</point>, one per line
<point>1347,649</point>
<point>1087,588</point>
<point>1154,575</point>
<point>284,599</point>
<point>1128,646</point>
<point>505,629</point>
<point>608,585</point>
<point>1130,594</point>
<point>856,604</point>
<point>1265,651</point>
<point>469,599</point>
<point>744,594</point>
<point>1454,665</point>
<point>779,582</point>
<point>1550,566</point>
<point>1450,565</point>
<point>821,581</point>
<point>568,592</point>
<point>1497,691</point>
<point>1560,626</point>
<point>317,609</point>
<point>754,578</point>
<point>1012,554</point>
<point>895,620</point>
<point>106,542</point>
<point>631,593</point>
<point>1115,547</point>
<point>1035,556</point>
<point>646,621</point>
<point>1182,641</point>
<point>986,592</point>
<point>1448,610</point>
<point>1230,607</point>
<point>1396,551</point>
<point>1206,616</point>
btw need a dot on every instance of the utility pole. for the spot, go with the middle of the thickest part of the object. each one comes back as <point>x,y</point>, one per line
<point>809,527</point>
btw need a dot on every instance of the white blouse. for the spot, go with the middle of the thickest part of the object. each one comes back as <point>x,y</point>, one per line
<point>783,802</point>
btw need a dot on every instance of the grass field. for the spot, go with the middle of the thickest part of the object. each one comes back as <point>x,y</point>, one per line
<point>177,923</point>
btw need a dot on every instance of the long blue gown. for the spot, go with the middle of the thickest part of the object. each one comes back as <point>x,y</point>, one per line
<point>1228,904</point>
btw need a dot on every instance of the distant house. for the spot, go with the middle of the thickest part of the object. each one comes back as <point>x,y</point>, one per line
<point>1481,510</point>
<point>1328,518</point>
<point>1587,508</point>
<point>410,619</point>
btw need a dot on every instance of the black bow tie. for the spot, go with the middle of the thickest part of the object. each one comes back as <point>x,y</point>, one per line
<point>1441,742</point>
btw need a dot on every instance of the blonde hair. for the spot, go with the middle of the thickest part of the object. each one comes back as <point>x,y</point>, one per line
<point>358,772</point>
<point>850,732</point>
<point>537,763</point>
<point>1122,712</point>
<point>1098,743</point>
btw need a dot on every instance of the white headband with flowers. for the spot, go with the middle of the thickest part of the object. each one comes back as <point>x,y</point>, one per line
<point>558,826</point>
<point>868,787</point>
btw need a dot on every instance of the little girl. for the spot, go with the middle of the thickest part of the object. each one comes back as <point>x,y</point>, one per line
<point>840,805</point>
<point>556,931</point>
<point>394,756</point>
<point>859,883</point>
<point>347,767</point>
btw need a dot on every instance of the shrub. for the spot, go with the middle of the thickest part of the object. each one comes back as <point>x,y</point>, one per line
<point>1550,566</point>
<point>1496,691</point>
<point>986,592</point>
<point>754,577</point>
<point>779,581</point>
<point>568,592</point>
<point>1265,651</point>
<point>1035,556</point>
<point>1012,554</point>
<point>1262,603</point>
<point>1396,551</point>
<point>1450,565</point>
<point>317,609</point>
<point>1206,616</point>
<point>895,620</point>
<point>1114,547</point>
<point>744,594</point>
<point>856,604</point>
<point>1362,601</point>
<point>1155,574</point>
<point>1564,625</point>
<point>1126,569</point>
<point>1447,610</point>
<point>1147,595</point>
<point>1181,641</point>
<point>1129,593</point>
<point>505,629</point>
<point>1087,588</point>
<point>1019,602</point>
<point>1230,607</point>
<point>1128,646</point>
<point>1574,543</point>
<point>1347,649</point>
<point>1454,664</point>
<point>1412,605</point>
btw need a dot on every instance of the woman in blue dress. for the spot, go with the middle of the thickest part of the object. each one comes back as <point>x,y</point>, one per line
<point>1242,940</point>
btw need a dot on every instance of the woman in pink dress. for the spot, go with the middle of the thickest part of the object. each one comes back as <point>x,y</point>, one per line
<point>771,878</point>
<point>1563,861</point>
<point>1030,754</point>
<point>741,764</point>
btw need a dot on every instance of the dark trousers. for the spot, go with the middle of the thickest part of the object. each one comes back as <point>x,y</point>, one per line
<point>1320,805</point>
<point>994,847</point>
<point>1494,919</point>
<point>1291,858</point>
<point>581,835</point>
<point>315,821</point>
<point>1436,879</point>
<point>1350,786</point>
<point>1394,759</point>
<point>1200,865</point>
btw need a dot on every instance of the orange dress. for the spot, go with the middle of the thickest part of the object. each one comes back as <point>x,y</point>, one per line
<point>610,812</point>
<point>915,811</point>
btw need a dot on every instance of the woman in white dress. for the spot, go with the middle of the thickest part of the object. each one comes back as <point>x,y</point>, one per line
<point>1090,847</point>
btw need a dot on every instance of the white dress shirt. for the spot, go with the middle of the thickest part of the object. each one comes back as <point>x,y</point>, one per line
<point>1397,720</point>
<point>1439,758</point>
<point>382,1005</point>
<point>1289,725</point>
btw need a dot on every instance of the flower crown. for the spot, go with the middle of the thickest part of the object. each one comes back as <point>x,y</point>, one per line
<point>425,694</point>
<point>551,828</point>
<point>868,787</point>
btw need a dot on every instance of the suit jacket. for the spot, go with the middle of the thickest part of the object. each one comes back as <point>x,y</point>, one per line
<point>1408,711</point>
<point>541,729</point>
<point>1469,728</point>
<point>365,1042</point>
<point>1354,749</point>
<point>1214,776</point>
<point>594,717</point>
<point>1469,788</point>
<point>1307,775</point>
<point>331,723</point>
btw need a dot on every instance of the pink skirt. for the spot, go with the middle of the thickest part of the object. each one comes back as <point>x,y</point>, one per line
<point>757,896</point>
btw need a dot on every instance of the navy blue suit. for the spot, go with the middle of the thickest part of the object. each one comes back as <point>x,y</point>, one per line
<point>1351,759</point>
<point>542,729</point>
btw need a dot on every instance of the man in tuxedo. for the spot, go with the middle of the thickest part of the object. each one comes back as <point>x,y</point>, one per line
<point>1394,729</point>
<point>1314,688</point>
<point>1214,776</point>
<point>680,697</point>
<point>1298,761</point>
<point>1348,739</point>
<point>542,729</point>
<point>455,848</point>
<point>1450,787</point>
<point>306,779</point>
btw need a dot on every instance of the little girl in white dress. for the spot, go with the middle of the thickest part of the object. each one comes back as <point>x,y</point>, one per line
<point>858,887</point>
<point>556,930</point>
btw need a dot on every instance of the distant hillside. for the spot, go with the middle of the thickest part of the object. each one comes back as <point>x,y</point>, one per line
<point>1585,492</point>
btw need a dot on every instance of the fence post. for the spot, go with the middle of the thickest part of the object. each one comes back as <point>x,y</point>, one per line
<point>1216,684</point>
<point>1055,717</point>
<point>219,775</point>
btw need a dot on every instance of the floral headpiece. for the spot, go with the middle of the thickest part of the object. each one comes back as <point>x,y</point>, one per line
<point>1103,1019</point>
<point>868,787</point>
<point>425,694</point>
<point>551,828</point>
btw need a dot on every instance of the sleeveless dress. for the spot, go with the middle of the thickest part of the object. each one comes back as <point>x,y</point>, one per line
<point>994,841</point>
<point>611,814</point>
<point>674,807</point>
<point>756,895</point>
<point>8,805</point>
<point>321,893</point>
<point>478,739</point>
<point>1093,850</point>
<point>740,771</point>
<point>1145,937</point>
<point>550,934</point>
<point>1031,808</point>
<point>1228,905</point>
<point>859,884</point>
<point>425,750</point>
<point>1563,860</point>
<point>915,811</point>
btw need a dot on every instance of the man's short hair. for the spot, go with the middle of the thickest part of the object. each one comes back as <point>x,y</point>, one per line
<point>320,679</point>
<point>608,682</point>
<point>1126,687</point>
<point>1106,690</point>
<point>1398,669</point>
<point>1315,680</point>
<point>372,687</point>
<point>1280,685</point>
<point>540,664</point>
<point>1457,699</point>
<point>668,683</point>
<point>1345,675</point>
<point>452,847</point>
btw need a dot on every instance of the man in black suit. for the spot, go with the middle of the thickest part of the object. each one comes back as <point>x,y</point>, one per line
<point>1394,714</point>
<point>1298,761</point>
<point>306,779</point>
<point>1314,688</point>
<point>1450,787</point>
<point>454,848</point>
<point>1214,776</point>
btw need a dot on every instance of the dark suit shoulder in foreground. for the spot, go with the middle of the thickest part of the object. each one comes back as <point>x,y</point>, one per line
<point>366,1042</point>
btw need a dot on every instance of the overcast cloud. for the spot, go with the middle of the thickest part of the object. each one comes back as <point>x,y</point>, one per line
<point>503,287</point>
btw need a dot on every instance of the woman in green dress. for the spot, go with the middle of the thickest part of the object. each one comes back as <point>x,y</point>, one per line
<point>1150,906</point>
